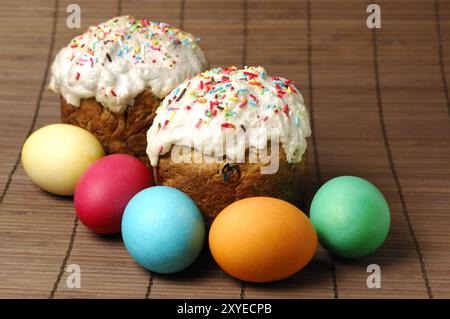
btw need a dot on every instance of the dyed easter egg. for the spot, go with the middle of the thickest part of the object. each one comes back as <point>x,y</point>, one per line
<point>262,239</point>
<point>105,189</point>
<point>56,155</point>
<point>163,230</point>
<point>351,216</point>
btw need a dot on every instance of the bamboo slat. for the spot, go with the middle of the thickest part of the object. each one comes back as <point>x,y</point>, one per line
<point>417,124</point>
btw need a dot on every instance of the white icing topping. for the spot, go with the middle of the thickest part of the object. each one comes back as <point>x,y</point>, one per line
<point>203,109</point>
<point>120,58</point>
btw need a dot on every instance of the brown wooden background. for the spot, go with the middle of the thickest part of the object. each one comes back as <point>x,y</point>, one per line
<point>380,109</point>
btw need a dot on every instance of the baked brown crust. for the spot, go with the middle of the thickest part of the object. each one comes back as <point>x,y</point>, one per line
<point>212,191</point>
<point>212,186</point>
<point>118,133</point>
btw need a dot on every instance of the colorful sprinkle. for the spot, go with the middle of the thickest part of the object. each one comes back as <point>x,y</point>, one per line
<point>221,93</point>
<point>123,31</point>
<point>227,125</point>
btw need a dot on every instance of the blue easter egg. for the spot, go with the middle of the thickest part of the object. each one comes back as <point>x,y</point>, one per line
<point>163,229</point>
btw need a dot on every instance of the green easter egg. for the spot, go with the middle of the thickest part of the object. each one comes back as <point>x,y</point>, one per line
<point>351,216</point>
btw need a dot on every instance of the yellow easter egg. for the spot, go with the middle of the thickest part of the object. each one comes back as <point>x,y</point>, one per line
<point>262,239</point>
<point>56,155</point>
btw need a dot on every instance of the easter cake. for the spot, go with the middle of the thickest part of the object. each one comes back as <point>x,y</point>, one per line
<point>112,78</point>
<point>228,134</point>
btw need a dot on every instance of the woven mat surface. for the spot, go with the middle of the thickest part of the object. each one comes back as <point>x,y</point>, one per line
<point>380,109</point>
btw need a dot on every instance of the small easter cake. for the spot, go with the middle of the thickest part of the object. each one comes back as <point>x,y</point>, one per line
<point>113,77</point>
<point>228,134</point>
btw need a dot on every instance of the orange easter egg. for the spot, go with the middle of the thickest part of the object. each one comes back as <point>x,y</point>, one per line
<point>262,239</point>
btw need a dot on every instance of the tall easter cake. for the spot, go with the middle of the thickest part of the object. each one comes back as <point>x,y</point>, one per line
<point>113,77</point>
<point>231,133</point>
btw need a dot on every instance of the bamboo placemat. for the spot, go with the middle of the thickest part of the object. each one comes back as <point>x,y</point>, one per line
<point>379,106</point>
